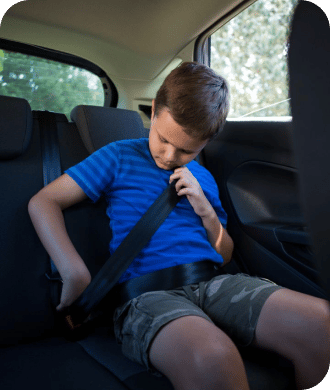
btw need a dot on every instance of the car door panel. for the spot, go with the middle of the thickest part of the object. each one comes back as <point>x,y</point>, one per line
<point>253,164</point>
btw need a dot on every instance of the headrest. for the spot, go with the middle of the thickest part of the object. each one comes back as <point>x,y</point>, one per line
<point>15,127</point>
<point>99,126</point>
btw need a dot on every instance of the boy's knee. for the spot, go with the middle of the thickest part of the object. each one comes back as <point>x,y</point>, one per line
<point>194,354</point>
<point>317,328</point>
<point>324,316</point>
<point>218,365</point>
<point>323,330</point>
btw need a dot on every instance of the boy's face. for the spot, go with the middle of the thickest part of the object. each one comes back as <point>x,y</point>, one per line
<point>169,145</point>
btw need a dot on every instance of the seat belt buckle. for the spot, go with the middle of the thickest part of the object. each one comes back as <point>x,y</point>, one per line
<point>73,328</point>
<point>69,322</point>
<point>70,329</point>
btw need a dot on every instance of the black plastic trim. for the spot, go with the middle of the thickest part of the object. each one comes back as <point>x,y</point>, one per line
<point>145,109</point>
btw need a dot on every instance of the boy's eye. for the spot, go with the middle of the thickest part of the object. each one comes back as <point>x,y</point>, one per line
<point>181,150</point>
<point>162,140</point>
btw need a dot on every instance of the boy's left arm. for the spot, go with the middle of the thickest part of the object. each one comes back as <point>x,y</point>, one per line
<point>188,185</point>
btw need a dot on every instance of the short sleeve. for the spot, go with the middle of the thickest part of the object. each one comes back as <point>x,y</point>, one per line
<point>97,172</point>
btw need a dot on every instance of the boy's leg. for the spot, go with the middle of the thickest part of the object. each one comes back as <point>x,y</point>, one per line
<point>297,326</point>
<point>195,354</point>
<point>168,332</point>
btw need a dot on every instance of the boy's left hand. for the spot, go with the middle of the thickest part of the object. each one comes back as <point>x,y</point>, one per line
<point>189,186</point>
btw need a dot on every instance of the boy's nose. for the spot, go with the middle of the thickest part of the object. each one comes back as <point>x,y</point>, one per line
<point>170,155</point>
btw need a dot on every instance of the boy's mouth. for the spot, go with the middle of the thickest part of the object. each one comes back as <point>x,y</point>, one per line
<point>165,164</point>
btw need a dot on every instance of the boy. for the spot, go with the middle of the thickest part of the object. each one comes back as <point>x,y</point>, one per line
<point>187,333</point>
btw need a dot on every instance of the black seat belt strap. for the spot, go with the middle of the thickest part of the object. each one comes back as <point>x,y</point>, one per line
<point>130,247</point>
<point>51,164</point>
<point>50,146</point>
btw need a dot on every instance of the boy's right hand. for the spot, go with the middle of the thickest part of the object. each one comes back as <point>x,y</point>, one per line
<point>73,287</point>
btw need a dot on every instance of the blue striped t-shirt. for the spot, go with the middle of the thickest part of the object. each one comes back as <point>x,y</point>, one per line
<point>125,173</point>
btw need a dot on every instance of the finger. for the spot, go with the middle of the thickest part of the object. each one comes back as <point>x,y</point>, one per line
<point>174,176</point>
<point>183,175</point>
<point>180,184</point>
<point>185,191</point>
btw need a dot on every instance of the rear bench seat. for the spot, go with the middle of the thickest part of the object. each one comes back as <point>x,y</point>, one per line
<point>33,352</point>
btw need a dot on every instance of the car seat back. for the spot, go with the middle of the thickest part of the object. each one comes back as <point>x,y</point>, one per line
<point>27,312</point>
<point>24,308</point>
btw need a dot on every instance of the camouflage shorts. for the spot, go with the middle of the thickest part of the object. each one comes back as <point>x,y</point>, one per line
<point>232,302</point>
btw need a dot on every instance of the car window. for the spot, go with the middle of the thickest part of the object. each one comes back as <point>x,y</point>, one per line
<point>47,84</point>
<point>250,51</point>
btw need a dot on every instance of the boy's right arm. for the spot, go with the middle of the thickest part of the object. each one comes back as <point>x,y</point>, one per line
<point>45,209</point>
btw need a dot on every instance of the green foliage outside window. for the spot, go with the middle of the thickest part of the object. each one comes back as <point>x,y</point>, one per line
<point>250,51</point>
<point>48,85</point>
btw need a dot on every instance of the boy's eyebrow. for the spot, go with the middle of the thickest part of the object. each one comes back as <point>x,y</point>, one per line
<point>184,150</point>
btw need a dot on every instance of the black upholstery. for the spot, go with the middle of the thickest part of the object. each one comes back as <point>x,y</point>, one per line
<point>309,64</point>
<point>35,353</point>
<point>24,307</point>
<point>98,125</point>
<point>53,364</point>
<point>15,125</point>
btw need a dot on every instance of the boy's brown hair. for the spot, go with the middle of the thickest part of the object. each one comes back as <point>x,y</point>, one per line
<point>197,99</point>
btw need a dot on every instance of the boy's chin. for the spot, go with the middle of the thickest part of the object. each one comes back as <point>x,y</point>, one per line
<point>166,167</point>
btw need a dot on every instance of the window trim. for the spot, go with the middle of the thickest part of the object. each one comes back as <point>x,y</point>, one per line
<point>202,49</point>
<point>109,88</point>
